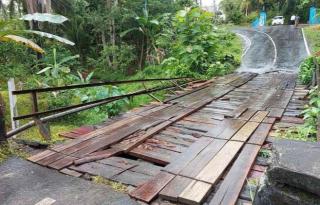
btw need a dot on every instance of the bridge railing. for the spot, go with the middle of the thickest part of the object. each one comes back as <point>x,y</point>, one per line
<point>39,118</point>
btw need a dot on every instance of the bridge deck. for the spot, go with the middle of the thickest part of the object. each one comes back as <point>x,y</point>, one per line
<point>201,146</point>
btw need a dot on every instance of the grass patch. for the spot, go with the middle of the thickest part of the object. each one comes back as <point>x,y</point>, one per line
<point>313,36</point>
<point>7,150</point>
<point>119,187</point>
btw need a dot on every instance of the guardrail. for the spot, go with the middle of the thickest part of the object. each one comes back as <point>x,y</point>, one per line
<point>41,117</point>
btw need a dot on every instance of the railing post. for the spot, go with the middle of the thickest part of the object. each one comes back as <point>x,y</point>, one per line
<point>44,128</point>
<point>13,103</point>
<point>3,134</point>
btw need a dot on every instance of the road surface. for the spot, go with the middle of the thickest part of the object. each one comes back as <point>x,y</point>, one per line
<point>272,48</point>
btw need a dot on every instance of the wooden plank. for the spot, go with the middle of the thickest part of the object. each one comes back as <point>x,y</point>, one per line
<point>97,156</point>
<point>215,168</point>
<point>269,120</point>
<point>230,188</point>
<point>295,120</point>
<point>259,116</point>
<point>120,162</point>
<point>166,145</point>
<point>61,163</point>
<point>226,130</point>
<point>178,140</point>
<point>182,160</point>
<point>202,159</point>
<point>245,132</point>
<point>248,114</point>
<point>41,155</point>
<point>98,169</point>
<point>260,135</point>
<point>194,193</point>
<point>150,189</point>
<point>147,168</point>
<point>153,154</point>
<point>71,172</point>
<point>98,132</point>
<point>132,178</point>
<point>275,112</point>
<point>50,159</point>
<point>172,191</point>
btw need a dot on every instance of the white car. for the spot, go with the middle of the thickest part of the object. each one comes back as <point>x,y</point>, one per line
<point>278,20</point>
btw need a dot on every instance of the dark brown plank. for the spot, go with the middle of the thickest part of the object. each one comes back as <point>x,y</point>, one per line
<point>41,155</point>
<point>153,154</point>
<point>182,160</point>
<point>230,188</point>
<point>97,156</point>
<point>226,130</point>
<point>61,163</point>
<point>172,191</point>
<point>150,189</point>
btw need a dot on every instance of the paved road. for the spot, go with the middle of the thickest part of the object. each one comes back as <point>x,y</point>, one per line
<point>272,48</point>
<point>25,183</point>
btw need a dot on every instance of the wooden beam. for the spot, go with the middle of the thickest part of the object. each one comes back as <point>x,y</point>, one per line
<point>13,103</point>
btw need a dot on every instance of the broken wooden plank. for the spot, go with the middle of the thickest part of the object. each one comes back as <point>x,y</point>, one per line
<point>150,189</point>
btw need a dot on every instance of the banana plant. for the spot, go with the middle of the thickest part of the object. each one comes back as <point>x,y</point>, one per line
<point>9,32</point>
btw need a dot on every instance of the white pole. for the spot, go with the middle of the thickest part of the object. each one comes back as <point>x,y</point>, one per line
<point>13,103</point>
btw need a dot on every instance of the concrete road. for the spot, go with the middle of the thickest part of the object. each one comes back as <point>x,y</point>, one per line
<point>272,48</point>
<point>25,183</point>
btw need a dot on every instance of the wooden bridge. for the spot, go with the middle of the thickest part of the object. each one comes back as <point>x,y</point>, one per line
<point>200,146</point>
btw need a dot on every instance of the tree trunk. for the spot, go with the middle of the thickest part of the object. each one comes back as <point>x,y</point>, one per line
<point>3,135</point>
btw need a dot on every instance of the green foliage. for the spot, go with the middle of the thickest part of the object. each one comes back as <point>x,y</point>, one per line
<point>195,50</point>
<point>306,71</point>
<point>312,34</point>
<point>307,131</point>
<point>232,9</point>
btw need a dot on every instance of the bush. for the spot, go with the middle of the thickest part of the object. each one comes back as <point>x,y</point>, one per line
<point>306,71</point>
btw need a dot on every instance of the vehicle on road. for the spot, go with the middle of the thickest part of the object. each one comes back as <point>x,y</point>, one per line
<point>277,20</point>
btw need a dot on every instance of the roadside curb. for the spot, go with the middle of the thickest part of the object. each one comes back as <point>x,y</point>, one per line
<point>306,42</point>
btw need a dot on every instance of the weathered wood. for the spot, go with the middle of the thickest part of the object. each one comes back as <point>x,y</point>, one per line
<point>153,154</point>
<point>194,193</point>
<point>230,188</point>
<point>150,189</point>
<point>260,135</point>
<point>61,163</point>
<point>225,130</point>
<point>172,191</point>
<point>147,168</point>
<point>120,162</point>
<point>182,160</point>
<point>245,132</point>
<point>276,112</point>
<point>71,172</point>
<point>202,159</point>
<point>97,156</point>
<point>259,116</point>
<point>132,178</point>
<point>215,168</point>
<point>13,103</point>
<point>98,169</point>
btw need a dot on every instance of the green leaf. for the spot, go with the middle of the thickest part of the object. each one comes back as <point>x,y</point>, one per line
<point>44,17</point>
<point>44,70</point>
<point>66,59</point>
<point>51,36</point>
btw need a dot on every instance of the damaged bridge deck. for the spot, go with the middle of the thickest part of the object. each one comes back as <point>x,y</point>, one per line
<point>200,146</point>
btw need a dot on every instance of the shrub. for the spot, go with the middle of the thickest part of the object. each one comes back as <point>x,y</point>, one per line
<point>306,71</point>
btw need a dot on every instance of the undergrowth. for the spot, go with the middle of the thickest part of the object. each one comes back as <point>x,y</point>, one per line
<point>119,187</point>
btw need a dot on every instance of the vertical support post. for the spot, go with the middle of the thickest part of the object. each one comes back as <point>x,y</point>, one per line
<point>3,133</point>
<point>44,129</point>
<point>13,103</point>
